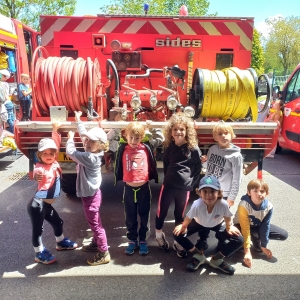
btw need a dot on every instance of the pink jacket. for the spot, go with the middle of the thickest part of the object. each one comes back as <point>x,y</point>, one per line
<point>50,172</point>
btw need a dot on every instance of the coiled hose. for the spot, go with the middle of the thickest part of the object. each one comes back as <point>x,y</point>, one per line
<point>63,81</point>
<point>226,94</point>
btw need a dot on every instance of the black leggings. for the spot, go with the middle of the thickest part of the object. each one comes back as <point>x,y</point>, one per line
<point>39,211</point>
<point>25,106</point>
<point>168,195</point>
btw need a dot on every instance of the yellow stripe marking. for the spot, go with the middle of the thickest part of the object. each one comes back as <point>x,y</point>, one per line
<point>210,28</point>
<point>135,26</point>
<point>185,28</point>
<point>236,30</point>
<point>7,45</point>
<point>8,34</point>
<point>160,27</point>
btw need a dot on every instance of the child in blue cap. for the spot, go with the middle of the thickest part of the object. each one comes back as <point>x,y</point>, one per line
<point>211,212</point>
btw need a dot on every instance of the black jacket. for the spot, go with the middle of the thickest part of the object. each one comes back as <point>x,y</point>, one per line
<point>182,167</point>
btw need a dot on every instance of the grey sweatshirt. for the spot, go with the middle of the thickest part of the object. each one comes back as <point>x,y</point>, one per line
<point>227,166</point>
<point>89,176</point>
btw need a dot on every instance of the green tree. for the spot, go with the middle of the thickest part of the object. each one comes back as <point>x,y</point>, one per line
<point>156,7</point>
<point>257,58</point>
<point>29,11</point>
<point>283,45</point>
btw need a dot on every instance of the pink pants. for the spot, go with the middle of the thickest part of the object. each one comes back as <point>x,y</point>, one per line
<point>91,206</point>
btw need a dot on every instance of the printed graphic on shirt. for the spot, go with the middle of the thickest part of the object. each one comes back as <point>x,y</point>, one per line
<point>215,165</point>
<point>135,161</point>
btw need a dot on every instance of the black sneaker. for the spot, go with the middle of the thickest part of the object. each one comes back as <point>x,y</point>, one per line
<point>256,245</point>
<point>181,252</point>
<point>201,245</point>
<point>224,266</point>
<point>196,262</point>
<point>162,243</point>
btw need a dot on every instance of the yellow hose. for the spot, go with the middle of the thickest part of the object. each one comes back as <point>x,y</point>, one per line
<point>228,94</point>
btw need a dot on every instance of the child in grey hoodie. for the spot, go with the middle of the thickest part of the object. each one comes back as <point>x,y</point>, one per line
<point>224,161</point>
<point>88,184</point>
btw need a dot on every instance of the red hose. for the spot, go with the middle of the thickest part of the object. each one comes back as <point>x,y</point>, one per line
<point>63,81</point>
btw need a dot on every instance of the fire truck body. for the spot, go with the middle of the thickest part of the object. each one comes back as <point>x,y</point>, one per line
<point>123,68</point>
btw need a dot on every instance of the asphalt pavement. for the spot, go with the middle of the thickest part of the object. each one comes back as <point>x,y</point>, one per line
<point>155,276</point>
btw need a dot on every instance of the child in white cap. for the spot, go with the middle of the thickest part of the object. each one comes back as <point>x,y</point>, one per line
<point>48,174</point>
<point>88,184</point>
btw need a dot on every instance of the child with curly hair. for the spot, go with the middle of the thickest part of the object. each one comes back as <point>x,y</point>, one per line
<point>182,166</point>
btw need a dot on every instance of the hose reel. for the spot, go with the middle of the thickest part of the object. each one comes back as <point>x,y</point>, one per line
<point>228,94</point>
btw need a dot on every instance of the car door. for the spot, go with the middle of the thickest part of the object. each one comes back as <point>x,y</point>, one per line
<point>290,133</point>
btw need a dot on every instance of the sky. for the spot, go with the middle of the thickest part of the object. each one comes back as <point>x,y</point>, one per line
<point>259,9</point>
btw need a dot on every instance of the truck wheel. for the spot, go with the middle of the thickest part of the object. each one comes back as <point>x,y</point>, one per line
<point>278,148</point>
<point>68,184</point>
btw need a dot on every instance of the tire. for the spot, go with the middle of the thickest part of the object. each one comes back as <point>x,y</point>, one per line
<point>278,148</point>
<point>68,184</point>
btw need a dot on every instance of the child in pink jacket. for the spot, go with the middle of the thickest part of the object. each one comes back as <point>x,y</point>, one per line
<point>48,174</point>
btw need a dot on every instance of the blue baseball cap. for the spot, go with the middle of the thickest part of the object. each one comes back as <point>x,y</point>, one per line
<point>210,181</point>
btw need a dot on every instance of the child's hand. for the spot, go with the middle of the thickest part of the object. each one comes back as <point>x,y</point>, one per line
<point>248,258</point>
<point>71,135</point>
<point>56,126</point>
<point>203,158</point>
<point>38,176</point>
<point>267,251</point>
<point>230,202</point>
<point>179,229</point>
<point>232,230</point>
<point>77,115</point>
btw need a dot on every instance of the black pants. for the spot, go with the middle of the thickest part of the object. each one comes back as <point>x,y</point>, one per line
<point>235,242</point>
<point>166,197</point>
<point>39,211</point>
<point>137,201</point>
<point>25,106</point>
<point>276,233</point>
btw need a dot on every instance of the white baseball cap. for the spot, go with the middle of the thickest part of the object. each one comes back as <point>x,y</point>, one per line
<point>46,144</point>
<point>5,72</point>
<point>96,134</point>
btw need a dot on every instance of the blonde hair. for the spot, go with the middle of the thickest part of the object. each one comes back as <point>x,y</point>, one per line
<point>135,128</point>
<point>256,184</point>
<point>223,127</point>
<point>23,75</point>
<point>191,135</point>
<point>220,193</point>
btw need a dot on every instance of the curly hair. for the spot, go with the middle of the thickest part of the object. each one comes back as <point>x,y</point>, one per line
<point>191,135</point>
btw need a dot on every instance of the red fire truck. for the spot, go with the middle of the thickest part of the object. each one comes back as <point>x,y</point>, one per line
<point>17,42</point>
<point>289,136</point>
<point>119,68</point>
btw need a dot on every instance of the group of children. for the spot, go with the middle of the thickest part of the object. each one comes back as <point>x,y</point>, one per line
<point>135,165</point>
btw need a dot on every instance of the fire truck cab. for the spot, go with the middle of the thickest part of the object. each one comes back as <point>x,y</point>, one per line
<point>290,131</point>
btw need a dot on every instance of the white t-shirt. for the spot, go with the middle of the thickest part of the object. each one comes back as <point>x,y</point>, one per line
<point>199,212</point>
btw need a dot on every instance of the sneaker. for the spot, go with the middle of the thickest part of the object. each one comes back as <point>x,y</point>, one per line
<point>143,248</point>
<point>196,262</point>
<point>45,257</point>
<point>91,247</point>
<point>256,247</point>
<point>223,266</point>
<point>100,258</point>
<point>132,245</point>
<point>201,245</point>
<point>162,243</point>
<point>181,252</point>
<point>66,244</point>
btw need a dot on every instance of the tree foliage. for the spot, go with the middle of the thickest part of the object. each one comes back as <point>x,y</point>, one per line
<point>156,7</point>
<point>283,45</point>
<point>257,59</point>
<point>29,11</point>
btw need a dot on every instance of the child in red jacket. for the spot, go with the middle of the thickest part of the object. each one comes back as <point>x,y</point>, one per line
<point>47,172</point>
